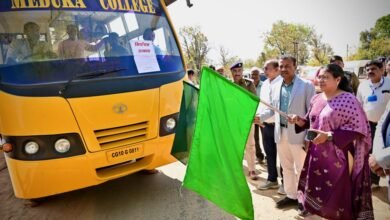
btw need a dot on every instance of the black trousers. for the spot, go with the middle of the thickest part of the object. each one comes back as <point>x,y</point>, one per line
<point>268,136</point>
<point>374,178</point>
<point>259,153</point>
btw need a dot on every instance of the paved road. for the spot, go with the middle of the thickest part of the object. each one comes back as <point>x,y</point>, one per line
<point>142,196</point>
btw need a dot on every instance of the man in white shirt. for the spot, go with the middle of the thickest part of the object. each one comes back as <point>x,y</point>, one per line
<point>380,158</point>
<point>255,75</point>
<point>271,69</point>
<point>373,94</point>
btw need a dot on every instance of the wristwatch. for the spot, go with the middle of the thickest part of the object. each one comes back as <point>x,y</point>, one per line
<point>330,136</point>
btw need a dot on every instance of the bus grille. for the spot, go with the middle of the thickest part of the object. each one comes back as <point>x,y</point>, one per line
<point>122,136</point>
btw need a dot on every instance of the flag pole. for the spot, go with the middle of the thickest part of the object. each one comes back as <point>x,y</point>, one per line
<point>275,109</point>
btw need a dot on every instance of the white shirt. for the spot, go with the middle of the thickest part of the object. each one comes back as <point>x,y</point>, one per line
<point>266,96</point>
<point>20,51</point>
<point>381,149</point>
<point>374,109</point>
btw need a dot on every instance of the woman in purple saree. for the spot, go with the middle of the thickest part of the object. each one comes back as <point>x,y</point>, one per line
<point>335,179</point>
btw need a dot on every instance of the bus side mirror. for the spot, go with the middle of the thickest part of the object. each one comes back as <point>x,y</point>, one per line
<point>189,4</point>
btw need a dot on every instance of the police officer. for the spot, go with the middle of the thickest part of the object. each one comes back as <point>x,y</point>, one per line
<point>250,153</point>
<point>237,73</point>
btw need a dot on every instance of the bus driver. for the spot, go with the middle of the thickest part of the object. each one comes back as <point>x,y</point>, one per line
<point>29,48</point>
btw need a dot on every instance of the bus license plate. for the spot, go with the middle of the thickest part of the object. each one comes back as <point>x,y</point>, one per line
<point>125,153</point>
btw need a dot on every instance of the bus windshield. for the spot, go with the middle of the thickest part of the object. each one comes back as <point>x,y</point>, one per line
<point>55,45</point>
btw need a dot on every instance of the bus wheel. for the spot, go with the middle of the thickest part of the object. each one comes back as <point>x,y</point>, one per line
<point>153,171</point>
<point>32,202</point>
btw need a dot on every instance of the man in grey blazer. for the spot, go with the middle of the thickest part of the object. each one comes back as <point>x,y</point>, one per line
<point>291,95</point>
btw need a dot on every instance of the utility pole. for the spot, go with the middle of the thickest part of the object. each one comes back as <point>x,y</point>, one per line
<point>295,49</point>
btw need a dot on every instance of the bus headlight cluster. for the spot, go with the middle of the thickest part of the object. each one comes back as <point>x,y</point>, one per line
<point>170,124</point>
<point>62,145</point>
<point>31,147</point>
<point>44,147</point>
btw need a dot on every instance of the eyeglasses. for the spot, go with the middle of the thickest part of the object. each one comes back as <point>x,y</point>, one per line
<point>325,78</point>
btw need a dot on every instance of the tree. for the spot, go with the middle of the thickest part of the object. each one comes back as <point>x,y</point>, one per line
<point>225,58</point>
<point>261,59</point>
<point>320,52</point>
<point>195,46</point>
<point>288,38</point>
<point>382,27</point>
<point>376,41</point>
<point>249,63</point>
<point>298,40</point>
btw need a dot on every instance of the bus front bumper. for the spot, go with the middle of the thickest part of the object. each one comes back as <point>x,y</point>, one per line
<point>36,179</point>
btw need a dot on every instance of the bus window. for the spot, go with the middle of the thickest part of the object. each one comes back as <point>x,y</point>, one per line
<point>118,26</point>
<point>160,39</point>
<point>74,42</point>
<point>131,22</point>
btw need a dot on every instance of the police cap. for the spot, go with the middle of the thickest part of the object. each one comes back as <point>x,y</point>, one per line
<point>236,65</point>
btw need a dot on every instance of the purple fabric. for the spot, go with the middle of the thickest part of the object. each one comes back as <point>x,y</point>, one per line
<point>325,186</point>
<point>343,138</point>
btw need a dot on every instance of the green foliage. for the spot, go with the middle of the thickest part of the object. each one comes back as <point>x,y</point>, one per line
<point>287,37</point>
<point>195,47</point>
<point>298,40</point>
<point>249,63</point>
<point>375,42</point>
<point>320,52</point>
<point>382,27</point>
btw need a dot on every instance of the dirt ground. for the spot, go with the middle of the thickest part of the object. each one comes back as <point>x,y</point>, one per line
<point>141,196</point>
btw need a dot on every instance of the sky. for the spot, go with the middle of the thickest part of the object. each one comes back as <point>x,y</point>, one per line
<point>239,25</point>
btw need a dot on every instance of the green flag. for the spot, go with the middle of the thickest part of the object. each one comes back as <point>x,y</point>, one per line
<point>185,127</point>
<point>224,118</point>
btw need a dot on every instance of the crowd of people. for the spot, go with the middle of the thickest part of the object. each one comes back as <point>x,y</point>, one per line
<point>333,144</point>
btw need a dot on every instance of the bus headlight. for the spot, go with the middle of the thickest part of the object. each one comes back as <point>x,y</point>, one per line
<point>62,145</point>
<point>31,147</point>
<point>170,124</point>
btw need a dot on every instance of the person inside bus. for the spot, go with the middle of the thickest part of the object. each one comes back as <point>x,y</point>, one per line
<point>150,35</point>
<point>29,48</point>
<point>113,46</point>
<point>73,48</point>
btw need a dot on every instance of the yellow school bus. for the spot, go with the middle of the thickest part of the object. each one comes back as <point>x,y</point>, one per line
<point>90,91</point>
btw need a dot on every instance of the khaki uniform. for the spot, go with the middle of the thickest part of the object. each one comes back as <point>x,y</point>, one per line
<point>248,85</point>
<point>353,81</point>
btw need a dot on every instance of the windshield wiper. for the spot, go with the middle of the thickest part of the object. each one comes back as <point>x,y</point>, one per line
<point>88,75</point>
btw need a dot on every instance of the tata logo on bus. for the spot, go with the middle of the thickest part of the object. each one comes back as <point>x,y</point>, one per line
<point>120,108</point>
<point>145,6</point>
